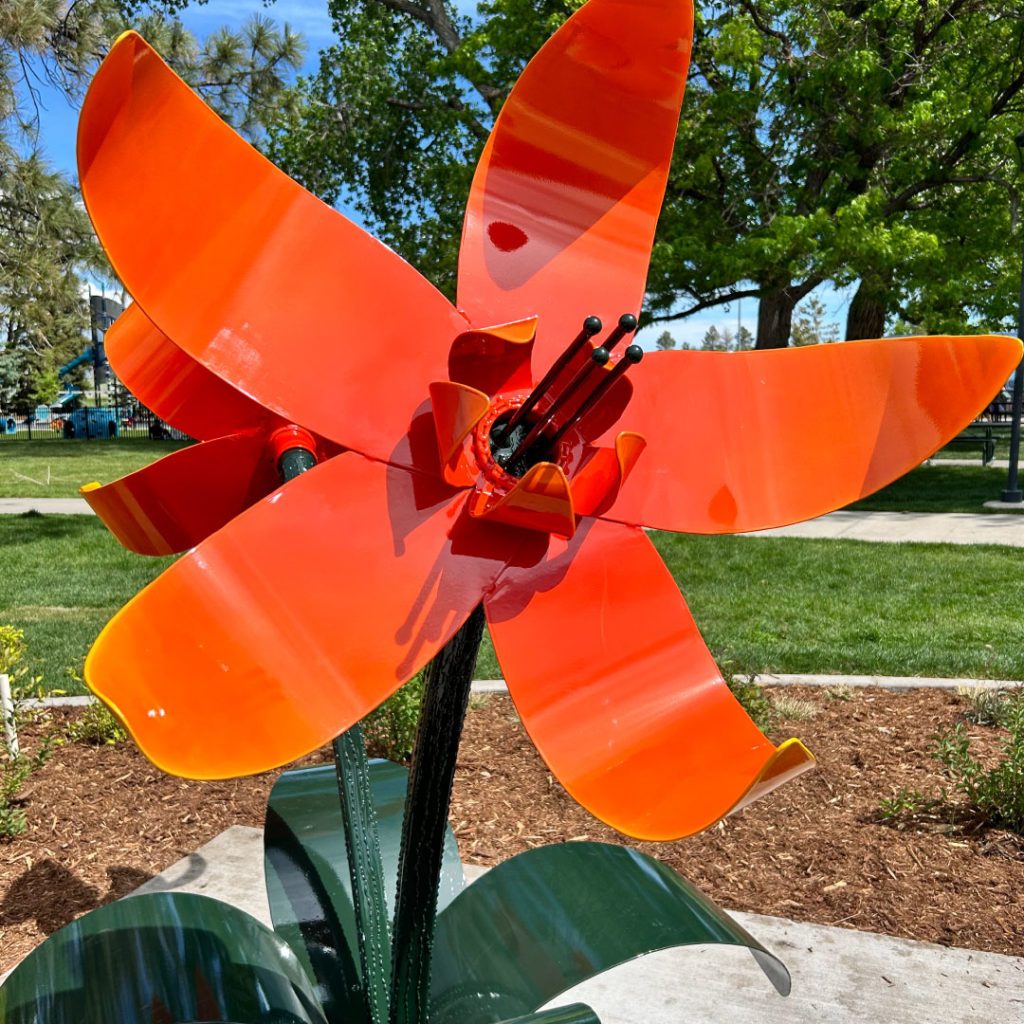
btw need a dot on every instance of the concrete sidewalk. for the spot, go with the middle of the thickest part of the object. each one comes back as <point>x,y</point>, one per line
<point>901,527</point>
<point>885,527</point>
<point>51,506</point>
<point>840,976</point>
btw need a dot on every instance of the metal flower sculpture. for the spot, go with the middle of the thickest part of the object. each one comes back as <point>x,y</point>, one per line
<point>440,461</point>
<point>498,451</point>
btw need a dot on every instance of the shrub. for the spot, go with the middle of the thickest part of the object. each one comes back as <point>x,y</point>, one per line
<point>390,730</point>
<point>987,707</point>
<point>753,699</point>
<point>96,727</point>
<point>995,794</point>
<point>13,773</point>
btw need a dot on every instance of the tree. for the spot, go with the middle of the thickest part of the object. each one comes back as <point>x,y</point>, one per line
<point>810,328</point>
<point>665,341</point>
<point>816,139</point>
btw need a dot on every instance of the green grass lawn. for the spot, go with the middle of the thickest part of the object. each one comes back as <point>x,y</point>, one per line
<point>56,469</point>
<point>939,489</point>
<point>780,605</point>
<point>61,579</point>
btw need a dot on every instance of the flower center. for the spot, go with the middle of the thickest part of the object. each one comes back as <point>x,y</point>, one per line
<point>521,435</point>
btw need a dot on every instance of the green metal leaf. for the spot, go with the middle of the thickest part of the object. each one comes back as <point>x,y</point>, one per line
<point>162,958</point>
<point>574,1013</point>
<point>308,884</point>
<point>552,917</point>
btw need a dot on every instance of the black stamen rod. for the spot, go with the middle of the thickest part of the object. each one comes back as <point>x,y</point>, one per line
<point>597,359</point>
<point>591,326</point>
<point>631,356</point>
<point>627,324</point>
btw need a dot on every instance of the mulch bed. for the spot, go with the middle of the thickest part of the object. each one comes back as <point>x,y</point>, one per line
<point>102,820</point>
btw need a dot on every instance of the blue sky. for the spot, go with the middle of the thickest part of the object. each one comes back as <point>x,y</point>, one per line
<point>58,120</point>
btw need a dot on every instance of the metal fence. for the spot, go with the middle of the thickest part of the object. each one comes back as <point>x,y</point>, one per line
<point>89,424</point>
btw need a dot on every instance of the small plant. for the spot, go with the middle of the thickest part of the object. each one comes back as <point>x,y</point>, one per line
<point>14,771</point>
<point>995,794</point>
<point>96,727</point>
<point>793,709</point>
<point>840,692</point>
<point>986,706</point>
<point>390,730</point>
<point>754,700</point>
<point>904,803</point>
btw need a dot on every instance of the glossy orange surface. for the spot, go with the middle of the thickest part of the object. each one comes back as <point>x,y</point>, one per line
<point>567,193</point>
<point>278,633</point>
<point>597,643</point>
<point>295,619</point>
<point>247,272</point>
<point>179,500</point>
<point>177,388</point>
<point>748,440</point>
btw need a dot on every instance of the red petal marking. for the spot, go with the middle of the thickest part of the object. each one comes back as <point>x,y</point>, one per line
<point>286,627</point>
<point>251,275</point>
<point>176,502</point>
<point>177,388</point>
<point>540,500</point>
<point>457,410</point>
<point>494,359</point>
<point>619,693</point>
<point>598,480</point>
<point>561,216</point>
<point>751,440</point>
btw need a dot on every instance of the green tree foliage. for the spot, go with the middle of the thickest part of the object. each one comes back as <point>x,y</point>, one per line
<point>46,242</point>
<point>863,142</point>
<point>665,341</point>
<point>810,326</point>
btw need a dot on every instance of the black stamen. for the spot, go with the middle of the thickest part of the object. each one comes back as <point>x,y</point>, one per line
<point>630,357</point>
<point>597,359</point>
<point>591,326</point>
<point>627,324</point>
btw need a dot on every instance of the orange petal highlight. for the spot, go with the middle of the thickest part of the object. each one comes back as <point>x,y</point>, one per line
<point>176,502</point>
<point>177,388</point>
<point>565,199</point>
<point>741,441</point>
<point>304,613</point>
<point>619,693</point>
<point>457,410</point>
<point>261,282</point>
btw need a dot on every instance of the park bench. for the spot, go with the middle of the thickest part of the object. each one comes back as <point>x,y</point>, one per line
<point>978,436</point>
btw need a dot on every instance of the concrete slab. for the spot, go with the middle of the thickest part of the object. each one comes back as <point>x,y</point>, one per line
<point>53,506</point>
<point>903,527</point>
<point>840,976</point>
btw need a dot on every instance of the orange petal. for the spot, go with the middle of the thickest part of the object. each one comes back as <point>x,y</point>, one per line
<point>289,625</point>
<point>619,693</point>
<point>176,502</point>
<point>540,500</point>
<point>598,479</point>
<point>457,410</point>
<point>561,216</point>
<point>495,359</point>
<point>750,440</point>
<point>247,272</point>
<point>172,384</point>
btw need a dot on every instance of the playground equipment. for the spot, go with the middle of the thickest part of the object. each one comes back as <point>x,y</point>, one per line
<point>498,460</point>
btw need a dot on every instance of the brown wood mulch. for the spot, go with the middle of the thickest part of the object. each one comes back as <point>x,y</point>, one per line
<point>102,820</point>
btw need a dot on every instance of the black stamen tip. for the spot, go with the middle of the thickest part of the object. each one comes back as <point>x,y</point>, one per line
<point>592,325</point>
<point>627,322</point>
<point>634,353</point>
<point>602,355</point>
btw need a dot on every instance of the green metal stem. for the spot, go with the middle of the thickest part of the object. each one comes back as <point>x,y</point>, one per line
<point>426,815</point>
<point>365,870</point>
<point>362,842</point>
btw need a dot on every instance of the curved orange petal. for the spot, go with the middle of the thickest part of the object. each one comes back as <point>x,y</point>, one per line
<point>171,383</point>
<point>619,693</point>
<point>742,441</point>
<point>304,613</point>
<point>176,502</point>
<point>561,216</point>
<point>540,500</point>
<point>247,272</point>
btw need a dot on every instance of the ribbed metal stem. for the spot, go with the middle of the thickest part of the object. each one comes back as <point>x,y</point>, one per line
<point>426,816</point>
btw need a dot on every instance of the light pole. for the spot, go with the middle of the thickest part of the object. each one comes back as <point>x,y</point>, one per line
<point>1013,493</point>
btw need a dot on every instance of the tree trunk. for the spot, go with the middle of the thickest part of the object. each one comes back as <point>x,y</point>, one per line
<point>866,315</point>
<point>775,319</point>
